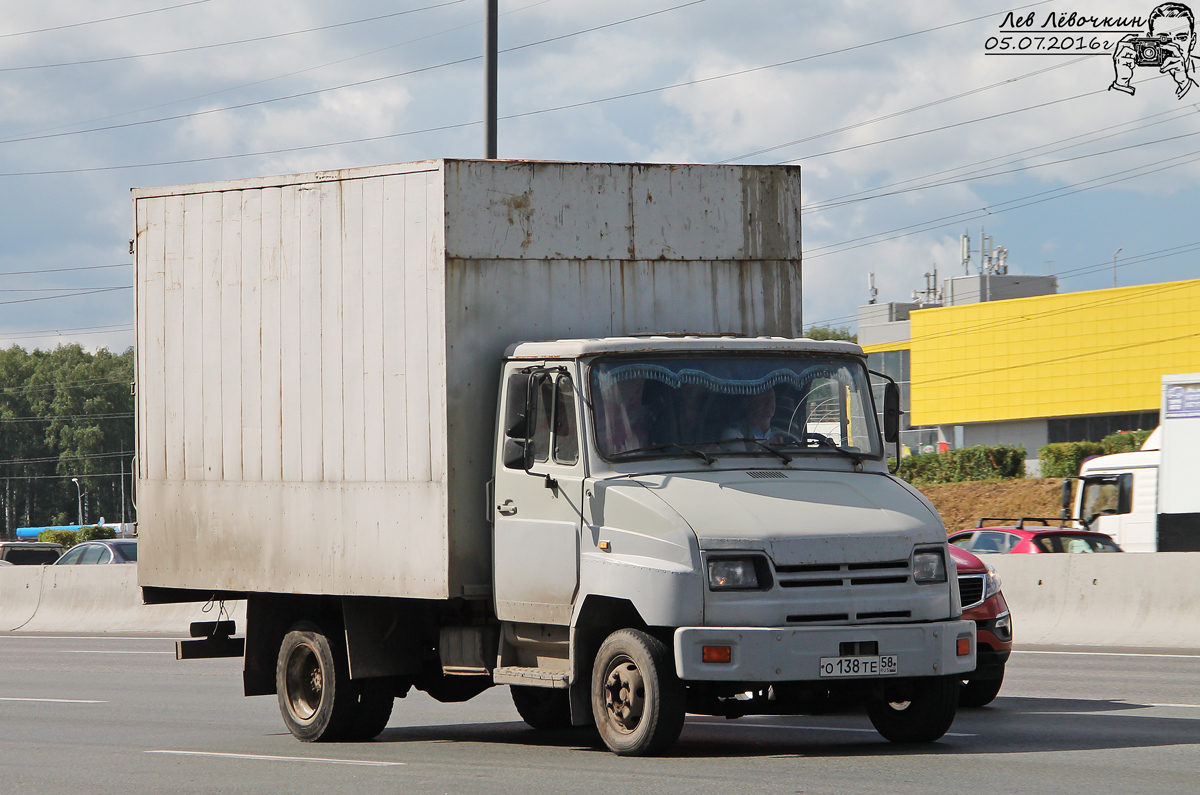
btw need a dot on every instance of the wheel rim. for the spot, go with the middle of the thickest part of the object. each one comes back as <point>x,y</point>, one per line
<point>899,706</point>
<point>304,683</point>
<point>624,694</point>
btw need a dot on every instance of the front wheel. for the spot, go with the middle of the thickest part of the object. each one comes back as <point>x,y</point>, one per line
<point>919,712</point>
<point>637,701</point>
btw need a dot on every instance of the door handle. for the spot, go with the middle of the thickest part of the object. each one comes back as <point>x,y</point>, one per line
<point>507,508</point>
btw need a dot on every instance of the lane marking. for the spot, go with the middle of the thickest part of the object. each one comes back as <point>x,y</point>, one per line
<point>1111,654</point>
<point>54,700</point>
<point>361,762</point>
<point>84,637</point>
<point>1186,706</point>
<point>803,728</point>
<point>112,651</point>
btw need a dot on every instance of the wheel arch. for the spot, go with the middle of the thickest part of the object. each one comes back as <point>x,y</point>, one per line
<point>596,619</point>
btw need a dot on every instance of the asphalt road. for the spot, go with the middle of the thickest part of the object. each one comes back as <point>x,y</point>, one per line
<point>121,715</point>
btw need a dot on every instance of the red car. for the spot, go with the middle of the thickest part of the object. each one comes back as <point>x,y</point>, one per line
<point>1018,538</point>
<point>982,602</point>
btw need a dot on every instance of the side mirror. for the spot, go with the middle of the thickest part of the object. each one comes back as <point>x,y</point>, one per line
<point>516,415</point>
<point>1066,494</point>
<point>516,454</point>
<point>891,412</point>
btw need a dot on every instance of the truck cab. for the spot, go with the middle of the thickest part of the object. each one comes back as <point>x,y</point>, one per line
<point>1118,496</point>
<point>708,524</point>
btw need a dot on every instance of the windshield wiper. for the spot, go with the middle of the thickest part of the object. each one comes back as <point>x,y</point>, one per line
<point>823,441</point>
<point>708,459</point>
<point>784,457</point>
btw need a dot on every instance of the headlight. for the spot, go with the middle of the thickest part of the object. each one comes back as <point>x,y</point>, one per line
<point>929,565</point>
<point>991,583</point>
<point>733,574</point>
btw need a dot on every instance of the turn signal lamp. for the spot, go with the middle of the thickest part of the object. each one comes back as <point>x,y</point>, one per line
<point>964,646</point>
<point>717,654</point>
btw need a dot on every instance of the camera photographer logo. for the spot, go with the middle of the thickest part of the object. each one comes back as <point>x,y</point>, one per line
<point>1167,46</point>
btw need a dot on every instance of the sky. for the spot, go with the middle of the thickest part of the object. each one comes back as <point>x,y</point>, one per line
<point>913,123</point>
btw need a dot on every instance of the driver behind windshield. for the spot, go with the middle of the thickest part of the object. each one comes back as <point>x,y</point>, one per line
<point>753,418</point>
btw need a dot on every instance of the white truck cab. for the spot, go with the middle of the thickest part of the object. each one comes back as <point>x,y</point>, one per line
<point>732,495</point>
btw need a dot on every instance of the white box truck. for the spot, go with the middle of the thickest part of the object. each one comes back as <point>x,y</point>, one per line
<point>455,424</point>
<point>1147,500</point>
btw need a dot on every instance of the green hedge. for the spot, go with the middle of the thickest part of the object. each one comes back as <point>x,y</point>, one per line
<point>1063,459</point>
<point>970,463</point>
<point>69,538</point>
<point>1124,441</point>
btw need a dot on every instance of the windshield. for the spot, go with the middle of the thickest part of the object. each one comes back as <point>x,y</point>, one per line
<point>709,405</point>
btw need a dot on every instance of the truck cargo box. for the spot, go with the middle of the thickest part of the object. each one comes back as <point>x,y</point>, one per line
<point>318,354</point>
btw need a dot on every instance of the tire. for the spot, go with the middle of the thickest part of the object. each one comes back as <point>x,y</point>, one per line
<point>980,692</point>
<point>544,709</point>
<point>315,695</point>
<point>924,714</point>
<point>637,701</point>
<point>371,712</point>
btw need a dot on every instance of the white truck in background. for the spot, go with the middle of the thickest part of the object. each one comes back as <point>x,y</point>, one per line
<point>457,424</point>
<point>1148,500</point>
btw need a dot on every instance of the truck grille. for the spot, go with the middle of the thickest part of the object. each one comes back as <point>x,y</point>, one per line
<point>970,588</point>
<point>836,575</point>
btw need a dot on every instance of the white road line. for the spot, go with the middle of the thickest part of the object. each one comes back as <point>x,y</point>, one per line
<point>112,651</point>
<point>55,700</point>
<point>803,728</point>
<point>1110,654</point>
<point>82,637</point>
<point>361,762</point>
<point>1187,706</point>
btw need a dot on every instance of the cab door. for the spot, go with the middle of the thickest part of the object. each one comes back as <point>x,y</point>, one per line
<point>538,497</point>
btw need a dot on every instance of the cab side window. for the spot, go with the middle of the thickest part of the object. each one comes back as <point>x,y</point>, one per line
<point>555,430</point>
<point>1108,495</point>
<point>566,437</point>
<point>542,406</point>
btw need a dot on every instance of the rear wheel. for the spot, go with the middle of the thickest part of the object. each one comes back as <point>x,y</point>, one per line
<point>919,712</point>
<point>316,698</point>
<point>980,692</point>
<point>371,711</point>
<point>545,709</point>
<point>637,701</point>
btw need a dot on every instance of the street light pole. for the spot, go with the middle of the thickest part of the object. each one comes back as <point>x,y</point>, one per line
<point>490,29</point>
<point>79,502</point>
<point>1115,253</point>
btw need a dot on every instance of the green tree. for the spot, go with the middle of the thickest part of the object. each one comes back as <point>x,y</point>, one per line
<point>831,333</point>
<point>64,414</point>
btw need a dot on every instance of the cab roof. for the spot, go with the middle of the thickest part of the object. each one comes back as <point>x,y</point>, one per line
<point>572,349</point>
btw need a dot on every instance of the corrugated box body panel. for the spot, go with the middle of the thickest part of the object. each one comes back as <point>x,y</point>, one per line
<point>316,414</point>
<point>291,386</point>
<point>606,211</point>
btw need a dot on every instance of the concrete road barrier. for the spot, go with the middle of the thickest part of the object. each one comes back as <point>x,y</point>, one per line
<point>1146,600</point>
<point>98,599</point>
<point>1103,599</point>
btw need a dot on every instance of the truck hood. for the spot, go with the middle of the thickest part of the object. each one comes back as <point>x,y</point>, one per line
<point>801,517</point>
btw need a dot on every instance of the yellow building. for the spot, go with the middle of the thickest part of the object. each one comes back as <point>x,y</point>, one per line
<point>1047,368</point>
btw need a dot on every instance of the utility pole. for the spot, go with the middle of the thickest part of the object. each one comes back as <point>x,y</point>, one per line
<point>491,27</point>
<point>1115,253</point>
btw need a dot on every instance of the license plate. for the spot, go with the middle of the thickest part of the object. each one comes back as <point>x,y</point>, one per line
<point>882,665</point>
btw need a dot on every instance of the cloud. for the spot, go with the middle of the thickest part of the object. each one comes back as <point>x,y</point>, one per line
<point>882,118</point>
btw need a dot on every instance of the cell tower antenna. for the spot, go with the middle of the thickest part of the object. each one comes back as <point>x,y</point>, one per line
<point>871,288</point>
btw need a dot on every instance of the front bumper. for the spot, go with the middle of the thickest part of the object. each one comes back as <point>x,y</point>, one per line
<point>790,654</point>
